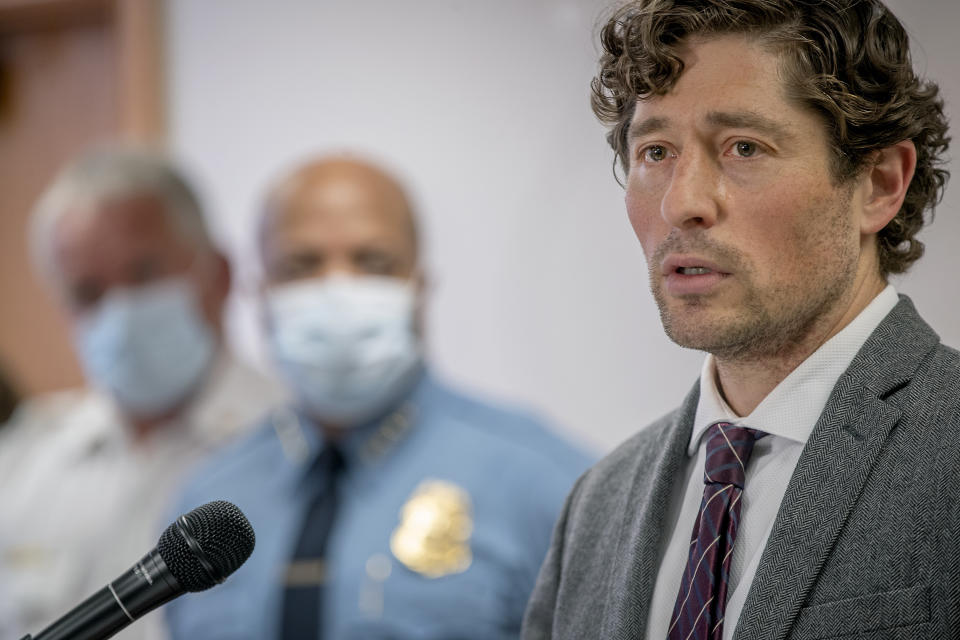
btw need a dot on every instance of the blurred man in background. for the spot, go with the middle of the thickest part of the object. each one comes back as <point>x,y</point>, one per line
<point>385,504</point>
<point>120,238</point>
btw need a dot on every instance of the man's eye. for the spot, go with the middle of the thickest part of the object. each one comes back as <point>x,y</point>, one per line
<point>375,263</point>
<point>146,270</point>
<point>654,153</point>
<point>84,296</point>
<point>296,266</point>
<point>745,149</point>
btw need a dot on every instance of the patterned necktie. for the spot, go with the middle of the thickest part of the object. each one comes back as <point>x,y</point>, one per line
<point>702,600</point>
<point>306,573</point>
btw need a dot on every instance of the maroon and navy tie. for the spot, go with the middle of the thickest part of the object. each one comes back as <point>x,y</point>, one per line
<point>702,600</point>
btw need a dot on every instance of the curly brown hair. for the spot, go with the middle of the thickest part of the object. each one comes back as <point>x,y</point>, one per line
<point>847,60</point>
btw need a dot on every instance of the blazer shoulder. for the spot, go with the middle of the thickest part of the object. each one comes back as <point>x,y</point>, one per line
<point>638,445</point>
<point>939,384</point>
<point>933,386</point>
<point>603,485</point>
<point>945,366</point>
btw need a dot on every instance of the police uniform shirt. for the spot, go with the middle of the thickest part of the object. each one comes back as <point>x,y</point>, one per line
<point>440,462</point>
<point>82,502</point>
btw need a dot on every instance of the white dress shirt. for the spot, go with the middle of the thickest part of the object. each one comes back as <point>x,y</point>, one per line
<point>81,501</point>
<point>788,414</point>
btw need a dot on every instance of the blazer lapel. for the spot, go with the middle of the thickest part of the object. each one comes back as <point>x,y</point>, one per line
<point>831,472</point>
<point>631,580</point>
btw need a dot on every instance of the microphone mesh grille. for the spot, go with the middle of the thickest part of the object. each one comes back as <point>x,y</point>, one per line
<point>224,535</point>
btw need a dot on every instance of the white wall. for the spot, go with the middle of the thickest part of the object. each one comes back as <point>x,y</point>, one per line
<point>540,291</point>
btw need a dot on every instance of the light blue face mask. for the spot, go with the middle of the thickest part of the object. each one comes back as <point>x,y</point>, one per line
<point>346,345</point>
<point>147,347</point>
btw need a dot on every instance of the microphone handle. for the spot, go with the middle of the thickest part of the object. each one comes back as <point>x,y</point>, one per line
<point>143,588</point>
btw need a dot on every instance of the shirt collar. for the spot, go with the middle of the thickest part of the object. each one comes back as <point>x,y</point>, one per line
<point>223,402</point>
<point>791,410</point>
<point>233,394</point>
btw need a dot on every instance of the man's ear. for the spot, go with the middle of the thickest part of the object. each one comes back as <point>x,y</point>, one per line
<point>421,287</point>
<point>223,274</point>
<point>216,287</point>
<point>421,282</point>
<point>885,184</point>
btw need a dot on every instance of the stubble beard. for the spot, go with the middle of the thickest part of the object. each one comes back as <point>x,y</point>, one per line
<point>769,322</point>
<point>767,325</point>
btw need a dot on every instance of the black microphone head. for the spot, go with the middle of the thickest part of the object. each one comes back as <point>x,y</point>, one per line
<point>203,547</point>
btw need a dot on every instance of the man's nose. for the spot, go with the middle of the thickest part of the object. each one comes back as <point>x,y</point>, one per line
<point>691,199</point>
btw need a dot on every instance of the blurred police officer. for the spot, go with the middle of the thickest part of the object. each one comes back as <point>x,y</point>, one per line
<point>87,474</point>
<point>385,504</point>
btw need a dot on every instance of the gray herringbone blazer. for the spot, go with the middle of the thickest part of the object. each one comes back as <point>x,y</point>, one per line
<point>866,543</point>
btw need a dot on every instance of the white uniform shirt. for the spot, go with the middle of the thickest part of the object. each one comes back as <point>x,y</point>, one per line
<point>789,414</point>
<point>81,502</point>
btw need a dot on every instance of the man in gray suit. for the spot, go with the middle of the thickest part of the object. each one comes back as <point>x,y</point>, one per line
<point>779,156</point>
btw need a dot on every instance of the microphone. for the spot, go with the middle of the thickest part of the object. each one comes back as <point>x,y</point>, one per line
<point>197,551</point>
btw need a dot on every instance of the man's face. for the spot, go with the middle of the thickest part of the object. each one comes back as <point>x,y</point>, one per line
<point>749,243</point>
<point>126,243</point>
<point>345,224</point>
